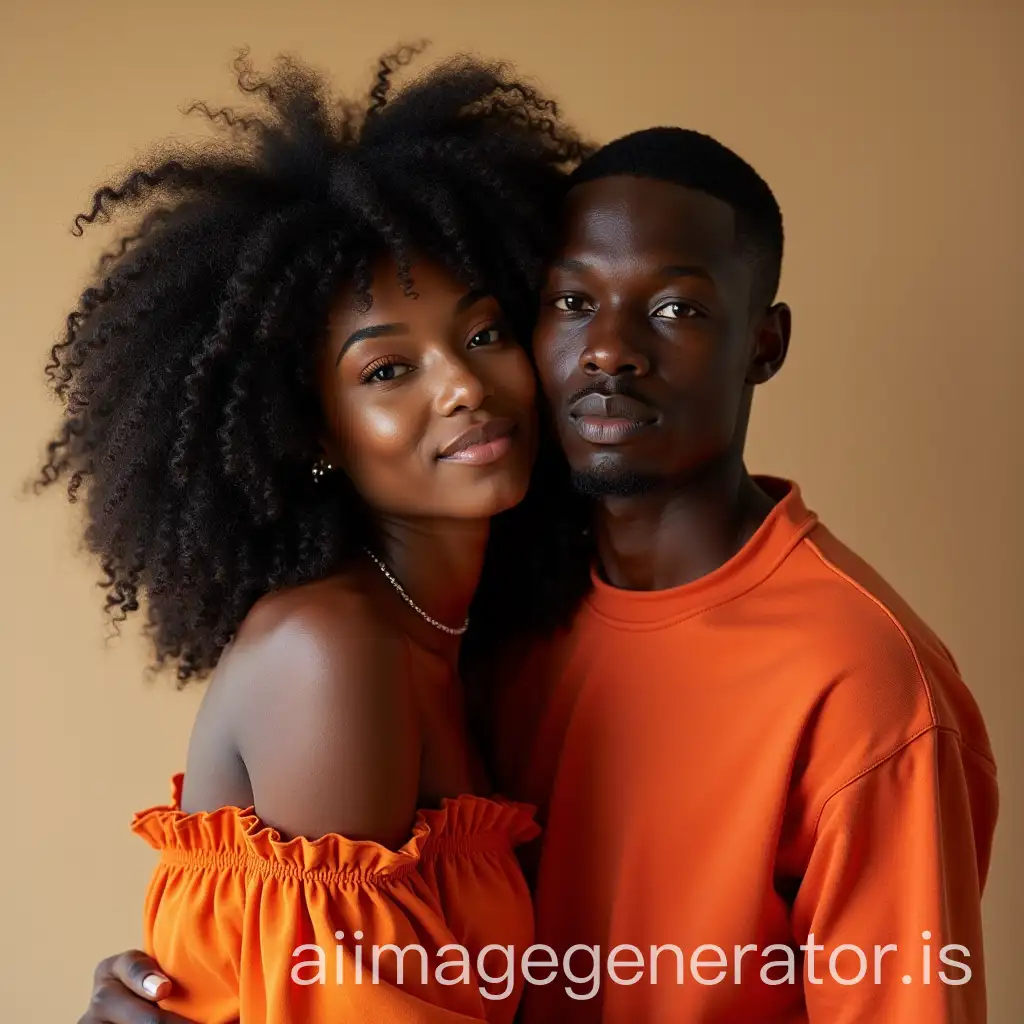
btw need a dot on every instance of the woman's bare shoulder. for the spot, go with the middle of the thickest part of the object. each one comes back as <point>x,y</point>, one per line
<point>316,687</point>
<point>328,610</point>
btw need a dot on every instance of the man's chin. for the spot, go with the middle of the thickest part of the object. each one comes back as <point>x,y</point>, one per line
<point>611,481</point>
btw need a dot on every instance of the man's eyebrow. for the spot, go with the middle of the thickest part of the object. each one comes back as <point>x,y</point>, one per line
<point>685,270</point>
<point>574,266</point>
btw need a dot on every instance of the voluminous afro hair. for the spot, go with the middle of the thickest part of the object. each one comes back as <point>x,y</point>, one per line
<point>187,371</point>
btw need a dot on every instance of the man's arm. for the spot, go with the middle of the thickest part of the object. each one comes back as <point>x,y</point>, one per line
<point>897,868</point>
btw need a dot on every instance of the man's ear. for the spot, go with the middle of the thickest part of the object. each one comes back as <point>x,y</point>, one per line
<point>770,344</point>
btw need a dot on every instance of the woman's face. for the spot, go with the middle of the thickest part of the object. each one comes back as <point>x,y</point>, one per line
<point>429,399</point>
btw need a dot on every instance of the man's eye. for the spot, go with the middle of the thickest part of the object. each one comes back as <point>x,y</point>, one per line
<point>675,311</point>
<point>572,303</point>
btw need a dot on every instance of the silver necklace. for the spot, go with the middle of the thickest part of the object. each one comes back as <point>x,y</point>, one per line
<point>412,604</point>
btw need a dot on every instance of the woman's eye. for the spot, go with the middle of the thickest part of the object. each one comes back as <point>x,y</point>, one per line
<point>490,336</point>
<point>388,372</point>
<point>572,304</point>
<point>675,311</point>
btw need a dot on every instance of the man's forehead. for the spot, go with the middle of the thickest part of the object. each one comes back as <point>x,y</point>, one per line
<point>644,213</point>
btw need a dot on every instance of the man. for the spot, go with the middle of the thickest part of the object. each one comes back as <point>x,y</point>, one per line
<point>747,742</point>
<point>767,794</point>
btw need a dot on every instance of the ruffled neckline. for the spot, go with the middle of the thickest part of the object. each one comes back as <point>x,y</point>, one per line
<point>465,824</point>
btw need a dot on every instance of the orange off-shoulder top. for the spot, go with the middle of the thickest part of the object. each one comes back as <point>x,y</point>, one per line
<point>255,928</point>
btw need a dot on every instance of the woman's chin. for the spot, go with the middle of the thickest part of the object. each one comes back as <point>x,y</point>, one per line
<point>486,499</point>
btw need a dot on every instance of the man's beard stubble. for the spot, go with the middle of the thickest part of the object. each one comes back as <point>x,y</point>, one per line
<point>612,482</point>
<point>608,480</point>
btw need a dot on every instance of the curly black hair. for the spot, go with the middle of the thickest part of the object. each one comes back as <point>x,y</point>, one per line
<point>187,374</point>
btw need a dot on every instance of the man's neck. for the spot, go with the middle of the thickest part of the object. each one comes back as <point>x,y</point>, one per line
<point>668,538</point>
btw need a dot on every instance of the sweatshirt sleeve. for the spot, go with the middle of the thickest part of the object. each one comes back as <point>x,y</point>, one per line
<point>889,908</point>
<point>254,928</point>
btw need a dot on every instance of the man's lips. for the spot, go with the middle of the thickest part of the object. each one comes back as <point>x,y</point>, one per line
<point>613,407</point>
<point>610,419</point>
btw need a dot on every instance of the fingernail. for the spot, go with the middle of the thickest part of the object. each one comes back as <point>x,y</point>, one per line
<point>152,983</point>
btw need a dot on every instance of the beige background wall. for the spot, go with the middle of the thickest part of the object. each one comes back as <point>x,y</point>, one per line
<point>892,135</point>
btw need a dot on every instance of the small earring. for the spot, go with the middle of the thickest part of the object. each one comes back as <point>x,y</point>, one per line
<point>320,467</point>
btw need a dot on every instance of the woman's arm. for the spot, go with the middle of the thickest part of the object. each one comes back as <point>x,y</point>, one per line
<point>315,696</point>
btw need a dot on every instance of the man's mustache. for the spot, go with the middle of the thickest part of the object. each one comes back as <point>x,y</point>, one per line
<point>608,386</point>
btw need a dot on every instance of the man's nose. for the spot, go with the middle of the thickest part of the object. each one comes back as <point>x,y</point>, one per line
<point>613,346</point>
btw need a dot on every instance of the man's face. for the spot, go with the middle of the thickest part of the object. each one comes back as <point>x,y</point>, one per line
<point>646,344</point>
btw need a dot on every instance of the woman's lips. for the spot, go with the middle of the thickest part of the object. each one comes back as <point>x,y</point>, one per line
<point>483,453</point>
<point>482,443</point>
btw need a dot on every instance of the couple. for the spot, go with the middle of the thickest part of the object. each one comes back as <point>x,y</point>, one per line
<point>421,427</point>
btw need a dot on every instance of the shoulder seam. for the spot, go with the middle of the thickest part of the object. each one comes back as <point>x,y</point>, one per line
<point>934,728</point>
<point>990,762</point>
<point>832,567</point>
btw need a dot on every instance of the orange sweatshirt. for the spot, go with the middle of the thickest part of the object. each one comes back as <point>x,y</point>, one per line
<point>775,777</point>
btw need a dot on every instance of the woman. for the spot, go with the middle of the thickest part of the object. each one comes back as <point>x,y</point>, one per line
<point>295,400</point>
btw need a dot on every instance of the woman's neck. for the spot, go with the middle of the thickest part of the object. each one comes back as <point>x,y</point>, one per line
<point>438,563</point>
